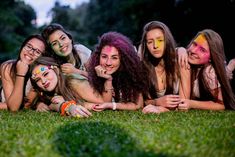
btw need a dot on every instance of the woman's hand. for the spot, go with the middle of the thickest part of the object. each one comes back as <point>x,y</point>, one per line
<point>41,107</point>
<point>68,68</point>
<point>183,57</point>
<point>22,68</point>
<point>154,109</point>
<point>101,72</point>
<point>184,105</point>
<point>168,101</point>
<point>58,99</point>
<point>78,111</point>
<point>229,68</point>
<point>103,106</point>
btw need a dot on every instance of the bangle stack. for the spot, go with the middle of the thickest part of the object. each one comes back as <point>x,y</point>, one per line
<point>65,106</point>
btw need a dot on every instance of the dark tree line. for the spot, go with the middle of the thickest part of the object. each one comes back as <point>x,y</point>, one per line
<point>17,21</point>
<point>89,20</point>
<point>184,17</point>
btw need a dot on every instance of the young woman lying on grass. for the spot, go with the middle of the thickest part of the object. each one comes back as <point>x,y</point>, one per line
<point>71,57</point>
<point>15,76</point>
<point>115,72</point>
<point>62,93</point>
<point>159,54</point>
<point>211,89</point>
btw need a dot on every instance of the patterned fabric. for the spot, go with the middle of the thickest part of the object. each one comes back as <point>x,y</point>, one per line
<point>211,80</point>
<point>78,76</point>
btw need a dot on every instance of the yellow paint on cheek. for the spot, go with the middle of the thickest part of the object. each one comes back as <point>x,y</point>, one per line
<point>200,39</point>
<point>159,43</point>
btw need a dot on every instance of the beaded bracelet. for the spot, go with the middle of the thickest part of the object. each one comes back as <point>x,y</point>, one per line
<point>68,108</point>
<point>61,106</point>
<point>65,105</point>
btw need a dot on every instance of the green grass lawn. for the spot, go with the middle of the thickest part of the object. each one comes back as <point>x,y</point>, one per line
<point>119,134</point>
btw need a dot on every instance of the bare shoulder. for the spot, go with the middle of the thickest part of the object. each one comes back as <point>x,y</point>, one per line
<point>78,82</point>
<point>6,68</point>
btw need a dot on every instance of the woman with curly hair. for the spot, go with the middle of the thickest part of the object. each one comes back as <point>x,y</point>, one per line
<point>115,71</point>
<point>159,54</point>
<point>210,85</point>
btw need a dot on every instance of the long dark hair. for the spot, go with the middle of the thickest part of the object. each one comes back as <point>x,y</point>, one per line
<point>63,88</point>
<point>14,62</point>
<point>169,57</point>
<point>218,59</point>
<point>47,31</point>
<point>129,79</point>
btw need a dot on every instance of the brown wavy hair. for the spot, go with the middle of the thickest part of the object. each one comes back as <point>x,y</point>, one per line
<point>14,62</point>
<point>47,31</point>
<point>169,57</point>
<point>129,80</point>
<point>218,61</point>
<point>64,86</point>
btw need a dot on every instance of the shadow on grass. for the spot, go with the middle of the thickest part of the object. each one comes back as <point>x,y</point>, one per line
<point>97,139</point>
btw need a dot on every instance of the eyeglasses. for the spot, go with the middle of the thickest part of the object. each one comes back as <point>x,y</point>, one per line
<point>36,51</point>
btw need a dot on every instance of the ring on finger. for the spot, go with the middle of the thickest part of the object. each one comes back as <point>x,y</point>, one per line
<point>78,116</point>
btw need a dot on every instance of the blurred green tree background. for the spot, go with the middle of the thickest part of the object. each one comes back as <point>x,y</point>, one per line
<point>90,20</point>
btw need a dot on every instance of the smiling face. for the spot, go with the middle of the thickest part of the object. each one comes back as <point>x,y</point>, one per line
<point>60,43</point>
<point>199,52</point>
<point>110,59</point>
<point>32,50</point>
<point>45,77</point>
<point>155,42</point>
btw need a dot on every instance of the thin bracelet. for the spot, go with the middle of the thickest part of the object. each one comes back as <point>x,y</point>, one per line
<point>110,79</point>
<point>114,105</point>
<point>109,89</point>
<point>20,75</point>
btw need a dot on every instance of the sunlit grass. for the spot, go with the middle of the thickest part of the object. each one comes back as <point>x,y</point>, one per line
<point>119,133</point>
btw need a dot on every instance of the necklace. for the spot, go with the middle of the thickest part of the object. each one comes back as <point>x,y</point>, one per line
<point>160,74</point>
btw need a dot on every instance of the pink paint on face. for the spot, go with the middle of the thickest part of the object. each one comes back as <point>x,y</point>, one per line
<point>199,52</point>
<point>110,59</point>
<point>108,49</point>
